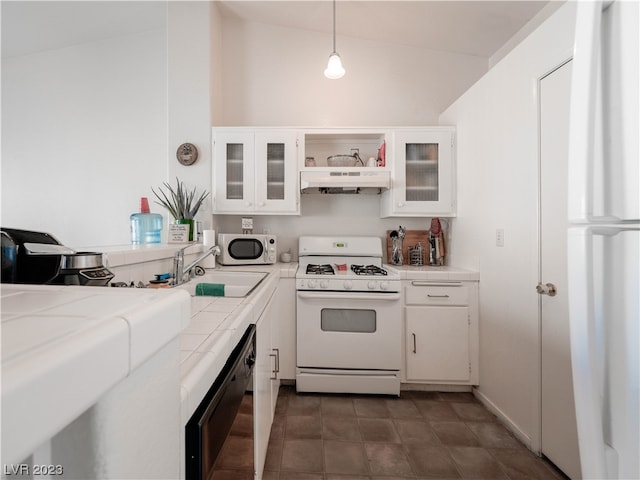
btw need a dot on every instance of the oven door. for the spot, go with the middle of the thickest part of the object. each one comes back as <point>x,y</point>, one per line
<point>349,330</point>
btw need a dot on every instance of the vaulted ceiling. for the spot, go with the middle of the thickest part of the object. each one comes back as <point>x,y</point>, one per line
<point>472,27</point>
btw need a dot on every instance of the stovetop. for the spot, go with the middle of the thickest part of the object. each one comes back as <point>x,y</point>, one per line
<point>342,268</point>
<point>344,263</point>
<point>347,277</point>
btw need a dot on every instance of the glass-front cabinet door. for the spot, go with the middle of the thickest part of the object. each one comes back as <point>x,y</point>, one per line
<point>234,172</point>
<point>255,171</point>
<point>276,172</point>
<point>422,182</point>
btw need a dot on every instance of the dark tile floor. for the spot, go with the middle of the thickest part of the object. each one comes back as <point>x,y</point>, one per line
<point>421,435</point>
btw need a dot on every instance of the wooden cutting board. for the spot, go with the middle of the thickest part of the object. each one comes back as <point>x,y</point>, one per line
<point>411,239</point>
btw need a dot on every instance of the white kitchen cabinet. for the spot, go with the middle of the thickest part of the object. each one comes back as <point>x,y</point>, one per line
<point>255,171</point>
<point>438,344</point>
<point>422,174</point>
<point>441,332</point>
<point>285,331</point>
<point>265,384</point>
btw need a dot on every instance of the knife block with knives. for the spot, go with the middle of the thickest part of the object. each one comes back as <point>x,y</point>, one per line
<point>411,239</point>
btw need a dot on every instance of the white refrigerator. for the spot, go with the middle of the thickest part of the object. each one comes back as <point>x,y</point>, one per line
<point>604,238</point>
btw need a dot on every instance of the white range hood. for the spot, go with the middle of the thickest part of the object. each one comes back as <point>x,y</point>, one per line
<point>337,181</point>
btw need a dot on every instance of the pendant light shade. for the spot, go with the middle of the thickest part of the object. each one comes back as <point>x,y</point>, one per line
<point>334,68</point>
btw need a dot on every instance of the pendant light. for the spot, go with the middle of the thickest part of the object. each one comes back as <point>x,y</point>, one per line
<point>334,68</point>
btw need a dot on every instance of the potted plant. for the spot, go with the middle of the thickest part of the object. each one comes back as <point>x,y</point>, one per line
<point>183,204</point>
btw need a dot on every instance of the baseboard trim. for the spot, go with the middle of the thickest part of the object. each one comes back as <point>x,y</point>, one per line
<point>503,418</point>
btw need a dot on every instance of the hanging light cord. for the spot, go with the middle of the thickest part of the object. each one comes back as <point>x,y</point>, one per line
<point>334,68</point>
<point>334,26</point>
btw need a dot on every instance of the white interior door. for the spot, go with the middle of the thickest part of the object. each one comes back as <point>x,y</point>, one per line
<point>559,439</point>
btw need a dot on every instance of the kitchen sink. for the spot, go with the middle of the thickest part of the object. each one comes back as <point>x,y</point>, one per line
<point>236,284</point>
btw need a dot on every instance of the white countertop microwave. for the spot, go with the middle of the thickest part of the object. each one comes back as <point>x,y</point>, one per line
<point>247,249</point>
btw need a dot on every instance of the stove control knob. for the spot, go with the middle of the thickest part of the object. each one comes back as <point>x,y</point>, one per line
<point>384,285</point>
<point>371,285</point>
<point>348,285</point>
<point>324,284</point>
<point>311,284</point>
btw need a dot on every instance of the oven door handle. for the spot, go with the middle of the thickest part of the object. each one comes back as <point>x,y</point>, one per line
<point>349,296</point>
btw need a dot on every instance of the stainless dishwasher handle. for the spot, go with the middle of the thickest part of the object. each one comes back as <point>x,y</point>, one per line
<point>437,296</point>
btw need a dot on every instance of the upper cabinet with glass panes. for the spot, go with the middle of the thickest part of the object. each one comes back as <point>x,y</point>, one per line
<point>255,171</point>
<point>422,174</point>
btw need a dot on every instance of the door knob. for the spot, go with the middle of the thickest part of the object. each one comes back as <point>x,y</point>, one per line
<point>546,289</point>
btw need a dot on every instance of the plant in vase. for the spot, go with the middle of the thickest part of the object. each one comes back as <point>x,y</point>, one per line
<point>183,204</point>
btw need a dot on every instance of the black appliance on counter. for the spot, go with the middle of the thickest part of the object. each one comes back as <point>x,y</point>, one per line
<point>38,258</point>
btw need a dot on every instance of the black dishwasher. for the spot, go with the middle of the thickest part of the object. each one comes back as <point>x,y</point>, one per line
<point>209,426</point>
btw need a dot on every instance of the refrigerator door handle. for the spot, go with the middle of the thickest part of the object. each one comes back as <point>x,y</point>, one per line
<point>584,353</point>
<point>604,281</point>
<point>603,126</point>
<point>583,131</point>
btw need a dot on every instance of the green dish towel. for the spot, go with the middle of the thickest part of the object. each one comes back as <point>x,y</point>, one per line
<point>210,289</point>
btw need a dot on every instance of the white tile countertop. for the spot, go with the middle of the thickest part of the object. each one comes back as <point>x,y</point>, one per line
<point>63,347</point>
<point>429,273</point>
<point>217,325</point>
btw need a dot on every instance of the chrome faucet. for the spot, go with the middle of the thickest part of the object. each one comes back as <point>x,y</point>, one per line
<point>179,270</point>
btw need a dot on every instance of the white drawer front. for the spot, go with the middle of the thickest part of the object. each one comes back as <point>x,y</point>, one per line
<point>432,293</point>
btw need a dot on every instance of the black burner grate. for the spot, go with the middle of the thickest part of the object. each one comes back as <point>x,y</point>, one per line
<point>368,270</point>
<point>325,269</point>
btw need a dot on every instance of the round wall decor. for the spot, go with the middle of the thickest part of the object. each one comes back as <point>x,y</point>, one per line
<point>187,154</point>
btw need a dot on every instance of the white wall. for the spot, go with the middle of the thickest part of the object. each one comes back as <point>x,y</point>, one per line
<point>497,141</point>
<point>273,77</point>
<point>84,133</point>
<point>190,82</point>
<point>89,129</point>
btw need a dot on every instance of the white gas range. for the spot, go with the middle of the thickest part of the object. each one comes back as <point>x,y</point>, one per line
<point>344,264</point>
<point>349,327</point>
